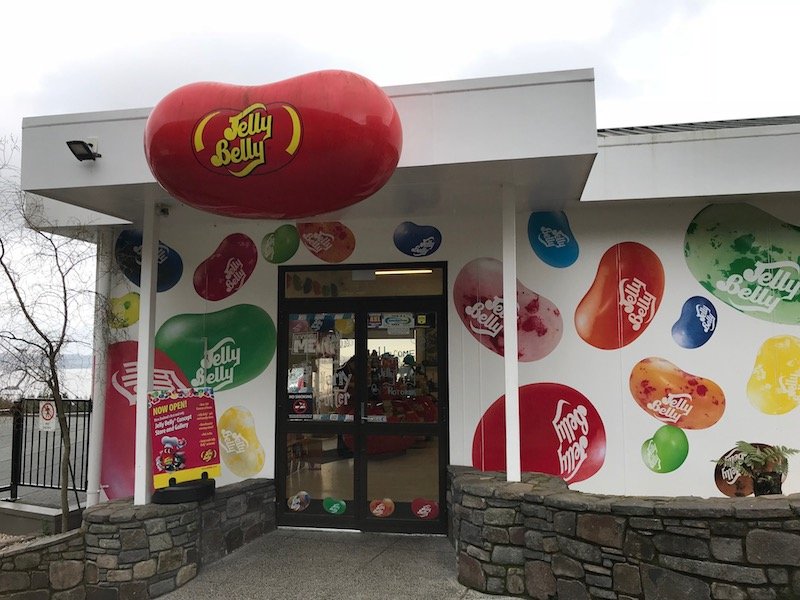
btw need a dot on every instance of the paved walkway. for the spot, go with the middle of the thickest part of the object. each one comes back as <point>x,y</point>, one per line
<point>329,565</point>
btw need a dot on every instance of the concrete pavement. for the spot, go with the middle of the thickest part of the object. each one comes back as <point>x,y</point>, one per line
<point>329,565</point>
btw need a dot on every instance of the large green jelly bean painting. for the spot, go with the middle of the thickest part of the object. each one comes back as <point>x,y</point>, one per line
<point>222,349</point>
<point>748,259</point>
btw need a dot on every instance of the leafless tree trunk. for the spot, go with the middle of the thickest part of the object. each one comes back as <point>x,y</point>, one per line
<point>49,282</point>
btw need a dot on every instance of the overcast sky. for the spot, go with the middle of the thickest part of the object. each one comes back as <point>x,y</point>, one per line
<point>655,61</point>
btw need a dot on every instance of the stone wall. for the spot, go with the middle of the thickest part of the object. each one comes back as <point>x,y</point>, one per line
<point>146,551</point>
<point>540,540</point>
<point>50,567</point>
<point>132,552</point>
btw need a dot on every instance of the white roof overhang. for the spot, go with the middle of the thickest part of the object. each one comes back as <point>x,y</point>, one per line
<point>462,140</point>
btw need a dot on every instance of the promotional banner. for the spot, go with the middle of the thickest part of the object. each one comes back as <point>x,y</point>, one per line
<point>183,434</point>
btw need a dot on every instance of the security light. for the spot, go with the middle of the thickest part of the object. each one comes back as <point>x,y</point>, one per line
<point>83,150</point>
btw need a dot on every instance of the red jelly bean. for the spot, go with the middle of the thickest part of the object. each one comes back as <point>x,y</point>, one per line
<point>561,433</point>
<point>227,269</point>
<point>623,298</point>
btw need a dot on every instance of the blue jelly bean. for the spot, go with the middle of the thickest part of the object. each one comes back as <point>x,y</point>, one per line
<point>552,239</point>
<point>417,240</point>
<point>697,323</point>
<point>128,254</point>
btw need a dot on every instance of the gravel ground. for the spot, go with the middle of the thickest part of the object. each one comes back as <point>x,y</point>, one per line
<point>9,540</point>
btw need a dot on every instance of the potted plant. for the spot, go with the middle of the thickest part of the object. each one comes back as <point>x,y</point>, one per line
<point>765,465</point>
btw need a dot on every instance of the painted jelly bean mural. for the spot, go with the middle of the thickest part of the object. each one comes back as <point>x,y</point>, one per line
<point>623,298</point>
<point>334,506</point>
<point>223,349</point>
<point>748,259</point>
<point>417,240</point>
<point>332,242</point>
<point>119,426</point>
<point>730,481</point>
<point>561,433</point>
<point>382,508</point>
<point>227,269</point>
<point>666,450</point>
<point>478,298</point>
<point>674,396</point>
<point>552,239</point>
<point>696,323</point>
<point>239,446</point>
<point>124,311</point>
<point>774,384</point>
<point>425,509</point>
<point>299,502</point>
<point>128,254</point>
<point>280,245</point>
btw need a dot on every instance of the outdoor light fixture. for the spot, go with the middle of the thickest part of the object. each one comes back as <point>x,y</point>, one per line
<point>83,150</point>
<point>403,272</point>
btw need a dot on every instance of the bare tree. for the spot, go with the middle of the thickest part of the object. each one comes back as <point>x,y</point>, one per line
<point>49,281</point>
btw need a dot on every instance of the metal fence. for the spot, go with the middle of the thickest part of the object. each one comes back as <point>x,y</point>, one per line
<point>36,453</point>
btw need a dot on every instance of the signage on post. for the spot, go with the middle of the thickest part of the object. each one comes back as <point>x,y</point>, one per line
<point>47,415</point>
<point>183,434</point>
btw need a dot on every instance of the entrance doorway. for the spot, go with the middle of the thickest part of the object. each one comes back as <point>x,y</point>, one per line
<point>362,398</point>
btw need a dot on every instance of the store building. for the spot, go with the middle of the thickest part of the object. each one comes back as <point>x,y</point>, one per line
<point>355,354</point>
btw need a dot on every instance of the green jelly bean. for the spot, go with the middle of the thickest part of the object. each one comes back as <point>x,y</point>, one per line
<point>748,259</point>
<point>280,245</point>
<point>222,349</point>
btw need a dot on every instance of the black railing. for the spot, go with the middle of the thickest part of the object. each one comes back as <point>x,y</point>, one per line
<point>36,454</point>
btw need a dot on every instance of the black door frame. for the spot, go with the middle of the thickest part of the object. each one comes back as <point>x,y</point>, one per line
<point>359,517</point>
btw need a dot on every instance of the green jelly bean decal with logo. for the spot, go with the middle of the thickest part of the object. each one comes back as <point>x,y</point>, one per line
<point>222,349</point>
<point>748,259</point>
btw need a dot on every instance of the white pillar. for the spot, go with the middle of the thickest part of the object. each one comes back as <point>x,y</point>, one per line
<point>513,468</point>
<point>143,481</point>
<point>102,287</point>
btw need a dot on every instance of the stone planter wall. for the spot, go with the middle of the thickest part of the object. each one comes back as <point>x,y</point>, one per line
<point>146,551</point>
<point>50,567</point>
<point>537,539</point>
<point>133,552</point>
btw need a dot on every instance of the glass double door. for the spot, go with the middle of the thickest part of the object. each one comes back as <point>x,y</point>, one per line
<point>362,434</point>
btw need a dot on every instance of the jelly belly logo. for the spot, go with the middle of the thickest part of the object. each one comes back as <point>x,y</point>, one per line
<point>571,425</point>
<point>486,317</point>
<point>124,380</point>
<point>425,247</point>
<point>218,364</point>
<point>318,241</point>
<point>637,302</point>
<point>235,275</point>
<point>259,139</point>
<point>672,407</point>
<point>729,473</point>
<point>762,288</point>
<point>553,238</point>
<point>707,319</point>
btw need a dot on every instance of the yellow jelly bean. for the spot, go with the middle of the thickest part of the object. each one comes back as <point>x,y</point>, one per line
<point>773,385</point>
<point>240,449</point>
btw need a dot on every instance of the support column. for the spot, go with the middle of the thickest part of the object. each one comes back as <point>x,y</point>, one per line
<point>510,361</point>
<point>102,288</point>
<point>143,480</point>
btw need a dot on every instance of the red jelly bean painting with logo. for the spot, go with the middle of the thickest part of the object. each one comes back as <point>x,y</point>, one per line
<point>478,298</point>
<point>561,433</point>
<point>623,298</point>
<point>119,427</point>
<point>332,241</point>
<point>227,269</point>
<point>294,148</point>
